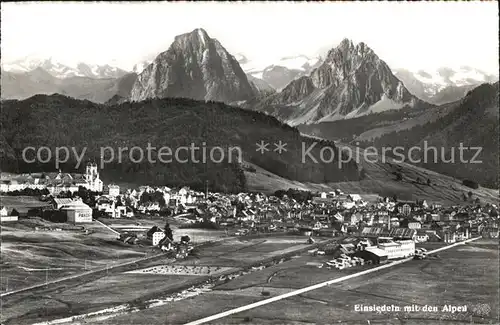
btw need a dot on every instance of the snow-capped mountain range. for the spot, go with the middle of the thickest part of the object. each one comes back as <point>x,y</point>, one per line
<point>280,73</point>
<point>347,81</point>
<point>443,84</point>
<point>298,62</point>
<point>62,70</point>
<point>436,86</point>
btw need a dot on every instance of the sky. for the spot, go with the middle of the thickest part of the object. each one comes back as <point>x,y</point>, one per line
<point>408,35</point>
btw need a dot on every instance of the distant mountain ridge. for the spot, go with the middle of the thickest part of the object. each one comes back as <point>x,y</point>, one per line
<point>61,70</point>
<point>195,66</point>
<point>443,85</point>
<point>39,81</point>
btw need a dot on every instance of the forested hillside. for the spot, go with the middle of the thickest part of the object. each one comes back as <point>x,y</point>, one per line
<point>56,121</point>
<point>473,123</point>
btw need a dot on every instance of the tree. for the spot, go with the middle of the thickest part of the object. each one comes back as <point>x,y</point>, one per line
<point>168,232</point>
<point>395,198</point>
<point>428,182</point>
<point>470,184</point>
<point>418,180</point>
<point>470,194</point>
<point>464,197</point>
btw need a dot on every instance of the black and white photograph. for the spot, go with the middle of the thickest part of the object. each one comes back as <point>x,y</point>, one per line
<point>249,162</point>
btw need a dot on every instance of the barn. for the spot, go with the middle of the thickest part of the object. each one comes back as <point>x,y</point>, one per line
<point>374,254</point>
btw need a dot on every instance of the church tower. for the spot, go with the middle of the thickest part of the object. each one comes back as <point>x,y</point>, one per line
<point>94,183</point>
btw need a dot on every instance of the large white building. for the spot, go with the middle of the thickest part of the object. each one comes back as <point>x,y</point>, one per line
<point>395,249</point>
<point>55,183</point>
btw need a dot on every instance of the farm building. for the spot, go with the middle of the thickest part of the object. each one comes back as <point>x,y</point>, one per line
<point>449,237</point>
<point>8,218</point>
<point>347,249</point>
<point>305,231</point>
<point>5,216</point>
<point>157,237</point>
<point>58,203</point>
<point>376,255</point>
<point>77,212</point>
<point>422,236</point>
<point>373,232</point>
<point>327,232</point>
<point>396,233</point>
<point>403,233</point>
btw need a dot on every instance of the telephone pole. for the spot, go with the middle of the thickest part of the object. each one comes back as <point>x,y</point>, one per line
<point>206,183</point>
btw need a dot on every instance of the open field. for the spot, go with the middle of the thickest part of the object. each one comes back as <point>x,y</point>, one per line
<point>30,256</point>
<point>430,245</point>
<point>21,203</point>
<point>239,252</point>
<point>120,287</point>
<point>462,275</point>
<point>143,224</point>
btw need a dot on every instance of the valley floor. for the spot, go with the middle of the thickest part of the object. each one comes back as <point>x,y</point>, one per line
<point>118,286</point>
<point>464,275</point>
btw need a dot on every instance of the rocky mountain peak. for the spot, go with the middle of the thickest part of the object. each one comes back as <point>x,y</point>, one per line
<point>347,51</point>
<point>198,39</point>
<point>346,44</point>
<point>195,66</point>
<point>352,81</point>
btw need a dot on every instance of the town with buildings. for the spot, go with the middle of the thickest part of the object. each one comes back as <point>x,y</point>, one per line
<point>383,227</point>
<point>170,162</point>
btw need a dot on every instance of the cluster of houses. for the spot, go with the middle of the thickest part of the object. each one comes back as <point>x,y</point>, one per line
<point>326,214</point>
<point>330,214</point>
<point>160,198</point>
